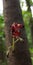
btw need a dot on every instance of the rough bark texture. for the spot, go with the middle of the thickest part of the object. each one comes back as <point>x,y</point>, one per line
<point>13,13</point>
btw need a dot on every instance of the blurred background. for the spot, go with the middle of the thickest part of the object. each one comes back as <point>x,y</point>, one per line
<point>27,11</point>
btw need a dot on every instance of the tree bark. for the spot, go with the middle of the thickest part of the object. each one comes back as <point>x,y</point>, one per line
<point>13,13</point>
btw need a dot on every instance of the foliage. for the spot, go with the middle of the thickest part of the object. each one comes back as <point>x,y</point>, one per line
<point>2,38</point>
<point>26,16</point>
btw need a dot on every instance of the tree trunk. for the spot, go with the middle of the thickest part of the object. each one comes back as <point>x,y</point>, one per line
<point>13,13</point>
<point>31,19</point>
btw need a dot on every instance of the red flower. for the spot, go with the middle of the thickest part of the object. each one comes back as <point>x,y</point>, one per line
<point>16,29</point>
